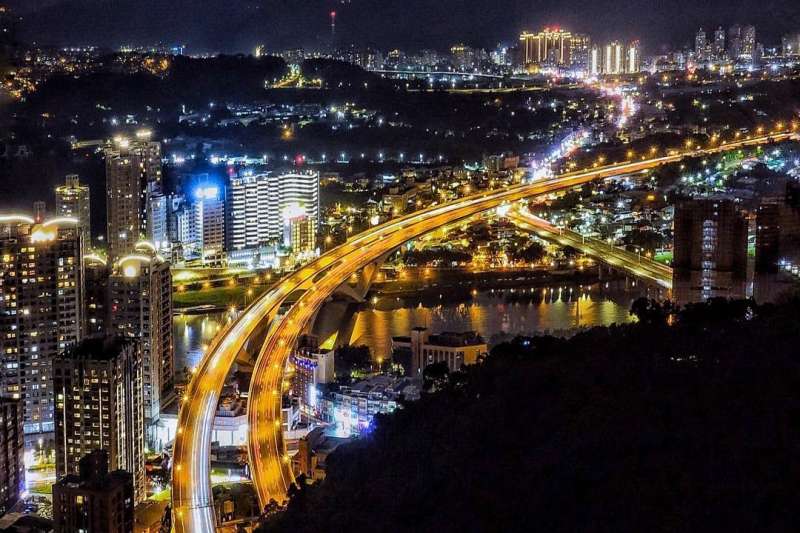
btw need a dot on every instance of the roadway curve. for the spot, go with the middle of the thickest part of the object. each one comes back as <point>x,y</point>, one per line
<point>193,509</point>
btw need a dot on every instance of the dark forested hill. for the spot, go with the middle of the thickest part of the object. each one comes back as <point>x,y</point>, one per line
<point>646,427</point>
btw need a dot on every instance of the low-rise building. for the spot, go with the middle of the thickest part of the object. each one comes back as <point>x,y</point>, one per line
<point>351,409</point>
<point>396,200</point>
<point>313,451</point>
<point>422,349</point>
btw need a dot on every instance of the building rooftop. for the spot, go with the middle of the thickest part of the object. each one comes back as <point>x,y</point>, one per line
<point>97,483</point>
<point>454,339</point>
<point>94,475</point>
<point>322,443</point>
<point>449,339</point>
<point>21,523</point>
<point>99,348</point>
<point>384,386</point>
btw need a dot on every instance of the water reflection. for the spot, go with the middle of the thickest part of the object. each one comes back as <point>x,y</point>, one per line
<point>192,334</point>
<point>492,313</point>
<point>496,314</point>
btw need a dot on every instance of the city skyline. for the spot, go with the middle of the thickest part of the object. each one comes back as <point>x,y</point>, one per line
<point>322,288</point>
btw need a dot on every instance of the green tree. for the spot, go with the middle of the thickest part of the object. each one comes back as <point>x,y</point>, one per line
<point>349,359</point>
<point>532,253</point>
<point>651,312</point>
<point>435,376</point>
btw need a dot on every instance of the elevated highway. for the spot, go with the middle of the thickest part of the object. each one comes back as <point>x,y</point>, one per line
<point>641,267</point>
<point>193,509</point>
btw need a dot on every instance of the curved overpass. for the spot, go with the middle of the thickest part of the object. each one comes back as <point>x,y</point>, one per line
<point>193,508</point>
<point>641,267</point>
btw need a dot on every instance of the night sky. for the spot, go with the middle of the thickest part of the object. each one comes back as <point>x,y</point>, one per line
<point>238,25</point>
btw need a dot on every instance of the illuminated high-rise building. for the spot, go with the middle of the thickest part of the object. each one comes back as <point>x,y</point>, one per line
<point>293,189</point>
<point>133,175</point>
<point>256,204</point>
<point>99,406</point>
<point>500,56</point>
<point>366,58</point>
<point>248,205</point>
<point>710,250</point>
<point>700,44</point>
<point>551,47</point>
<point>614,58</point>
<point>159,213</point>
<point>580,47</point>
<point>210,212</point>
<point>734,41</point>
<point>312,367</point>
<point>140,306</point>
<point>596,61</point>
<point>41,305</point>
<point>72,200</point>
<point>201,224</point>
<point>464,58</point>
<point>719,43</point>
<point>394,58</point>
<point>633,58</point>
<point>749,42</point>
<point>12,447</point>
<point>300,230</point>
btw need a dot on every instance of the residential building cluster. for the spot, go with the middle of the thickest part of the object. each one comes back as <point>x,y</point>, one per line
<point>737,45</point>
<point>711,238</point>
<point>249,219</point>
<point>89,356</point>
<point>348,410</point>
<point>87,344</point>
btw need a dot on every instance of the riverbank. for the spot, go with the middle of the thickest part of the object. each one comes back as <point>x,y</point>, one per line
<point>454,283</point>
<point>410,282</point>
<point>217,298</point>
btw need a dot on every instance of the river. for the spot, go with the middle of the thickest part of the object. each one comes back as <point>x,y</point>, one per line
<point>494,314</point>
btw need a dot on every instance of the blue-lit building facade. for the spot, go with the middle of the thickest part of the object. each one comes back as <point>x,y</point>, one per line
<point>244,219</point>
